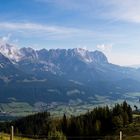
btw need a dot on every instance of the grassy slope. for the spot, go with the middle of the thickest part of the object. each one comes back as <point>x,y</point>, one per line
<point>133,138</point>
<point>7,137</point>
<point>132,132</point>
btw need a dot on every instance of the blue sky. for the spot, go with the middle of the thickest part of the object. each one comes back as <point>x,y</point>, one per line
<point>112,26</point>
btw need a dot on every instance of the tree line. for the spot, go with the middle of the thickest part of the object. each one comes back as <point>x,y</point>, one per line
<point>100,121</point>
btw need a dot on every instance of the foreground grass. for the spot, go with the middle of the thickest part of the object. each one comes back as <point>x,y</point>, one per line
<point>133,138</point>
<point>7,137</point>
<point>136,115</point>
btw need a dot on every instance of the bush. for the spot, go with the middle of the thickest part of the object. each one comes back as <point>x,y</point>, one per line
<point>56,135</point>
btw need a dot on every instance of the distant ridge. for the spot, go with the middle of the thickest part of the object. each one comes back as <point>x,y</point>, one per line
<point>62,76</point>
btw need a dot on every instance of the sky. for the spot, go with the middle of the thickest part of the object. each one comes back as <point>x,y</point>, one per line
<point>111,26</point>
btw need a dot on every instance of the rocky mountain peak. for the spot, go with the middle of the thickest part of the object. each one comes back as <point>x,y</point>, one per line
<point>98,57</point>
<point>10,51</point>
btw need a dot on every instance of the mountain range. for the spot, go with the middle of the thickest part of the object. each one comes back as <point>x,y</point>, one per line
<point>62,76</point>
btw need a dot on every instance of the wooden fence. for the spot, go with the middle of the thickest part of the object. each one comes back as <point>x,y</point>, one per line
<point>12,134</point>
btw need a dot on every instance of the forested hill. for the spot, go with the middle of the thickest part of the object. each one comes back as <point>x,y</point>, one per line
<point>100,121</point>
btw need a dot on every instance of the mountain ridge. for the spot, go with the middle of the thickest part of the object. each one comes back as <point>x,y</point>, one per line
<point>69,76</point>
<point>16,54</point>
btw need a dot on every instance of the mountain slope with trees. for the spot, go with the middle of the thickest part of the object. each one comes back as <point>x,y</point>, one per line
<point>101,121</point>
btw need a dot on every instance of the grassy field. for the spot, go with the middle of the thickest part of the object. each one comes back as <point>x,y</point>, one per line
<point>16,108</point>
<point>136,115</point>
<point>75,106</point>
<point>7,137</point>
<point>133,138</point>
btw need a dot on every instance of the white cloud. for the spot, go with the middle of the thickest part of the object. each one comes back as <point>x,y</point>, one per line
<point>34,26</point>
<point>43,30</point>
<point>106,48</point>
<point>125,10</point>
<point>119,58</point>
<point>41,33</point>
<point>5,38</point>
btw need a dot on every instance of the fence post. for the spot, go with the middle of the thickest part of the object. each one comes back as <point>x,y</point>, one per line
<point>12,133</point>
<point>120,135</point>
